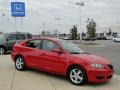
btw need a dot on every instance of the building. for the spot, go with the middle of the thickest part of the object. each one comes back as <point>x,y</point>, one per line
<point>103,31</point>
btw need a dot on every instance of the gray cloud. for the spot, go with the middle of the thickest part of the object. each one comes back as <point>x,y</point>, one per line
<point>105,13</point>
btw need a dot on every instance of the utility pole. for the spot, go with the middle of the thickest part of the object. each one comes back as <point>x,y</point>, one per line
<point>3,20</point>
<point>80,4</point>
<point>57,19</point>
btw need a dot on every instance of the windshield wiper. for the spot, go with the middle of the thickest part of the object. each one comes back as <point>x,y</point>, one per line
<point>79,53</point>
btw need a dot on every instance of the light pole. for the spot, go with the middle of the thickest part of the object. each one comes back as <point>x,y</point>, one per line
<point>57,30</point>
<point>8,21</point>
<point>80,4</point>
<point>44,28</point>
<point>3,20</point>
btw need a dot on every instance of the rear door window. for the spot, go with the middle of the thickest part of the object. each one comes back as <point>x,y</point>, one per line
<point>12,37</point>
<point>29,36</point>
<point>20,37</point>
<point>34,44</point>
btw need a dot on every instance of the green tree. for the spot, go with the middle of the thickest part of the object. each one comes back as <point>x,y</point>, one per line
<point>73,32</point>
<point>91,28</point>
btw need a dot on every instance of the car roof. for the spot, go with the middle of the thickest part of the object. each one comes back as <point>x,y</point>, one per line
<point>47,38</point>
<point>19,33</point>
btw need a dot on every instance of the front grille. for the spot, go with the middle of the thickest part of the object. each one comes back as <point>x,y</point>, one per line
<point>110,66</point>
<point>99,77</point>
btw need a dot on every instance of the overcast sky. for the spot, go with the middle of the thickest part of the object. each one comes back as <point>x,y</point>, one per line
<point>42,14</point>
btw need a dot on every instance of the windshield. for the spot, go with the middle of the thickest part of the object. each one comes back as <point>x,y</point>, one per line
<point>70,47</point>
<point>2,36</point>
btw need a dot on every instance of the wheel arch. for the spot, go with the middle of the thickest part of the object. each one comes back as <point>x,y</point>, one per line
<point>18,55</point>
<point>73,65</point>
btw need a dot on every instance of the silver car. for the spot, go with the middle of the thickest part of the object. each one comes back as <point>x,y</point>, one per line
<point>116,39</point>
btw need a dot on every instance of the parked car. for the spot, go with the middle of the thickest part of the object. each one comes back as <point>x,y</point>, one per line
<point>7,40</point>
<point>66,38</point>
<point>61,57</point>
<point>101,38</point>
<point>88,39</point>
<point>109,37</point>
<point>116,39</point>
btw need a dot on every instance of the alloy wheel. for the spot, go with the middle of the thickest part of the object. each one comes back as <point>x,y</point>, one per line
<point>76,76</point>
<point>19,63</point>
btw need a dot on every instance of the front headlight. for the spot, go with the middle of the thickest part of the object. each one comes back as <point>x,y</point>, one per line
<point>98,66</point>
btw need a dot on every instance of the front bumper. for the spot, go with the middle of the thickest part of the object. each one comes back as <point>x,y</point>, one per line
<point>100,75</point>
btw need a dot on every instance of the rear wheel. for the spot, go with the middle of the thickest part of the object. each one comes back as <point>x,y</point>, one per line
<point>2,51</point>
<point>20,63</point>
<point>77,75</point>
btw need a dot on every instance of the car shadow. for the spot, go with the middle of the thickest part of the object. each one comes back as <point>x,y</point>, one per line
<point>47,74</point>
<point>64,79</point>
<point>97,84</point>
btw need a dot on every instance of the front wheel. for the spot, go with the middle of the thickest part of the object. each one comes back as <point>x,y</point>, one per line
<point>20,63</point>
<point>77,76</point>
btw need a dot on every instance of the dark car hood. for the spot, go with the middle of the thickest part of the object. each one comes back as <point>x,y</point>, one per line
<point>90,58</point>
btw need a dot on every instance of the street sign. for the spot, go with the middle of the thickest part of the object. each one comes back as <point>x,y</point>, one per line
<point>18,9</point>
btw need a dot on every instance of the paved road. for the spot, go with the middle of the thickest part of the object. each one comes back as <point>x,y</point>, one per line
<point>107,42</point>
<point>11,79</point>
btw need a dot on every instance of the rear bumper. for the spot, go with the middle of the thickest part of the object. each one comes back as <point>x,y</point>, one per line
<point>13,55</point>
<point>99,76</point>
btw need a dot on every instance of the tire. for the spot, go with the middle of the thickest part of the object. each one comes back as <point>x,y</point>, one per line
<point>80,77</point>
<point>2,50</point>
<point>20,63</point>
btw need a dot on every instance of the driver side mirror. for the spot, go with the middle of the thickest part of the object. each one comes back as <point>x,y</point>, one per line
<point>7,39</point>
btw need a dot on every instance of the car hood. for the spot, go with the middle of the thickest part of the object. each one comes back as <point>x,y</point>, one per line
<point>90,58</point>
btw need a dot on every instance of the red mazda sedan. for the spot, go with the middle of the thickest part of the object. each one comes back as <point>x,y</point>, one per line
<point>62,57</point>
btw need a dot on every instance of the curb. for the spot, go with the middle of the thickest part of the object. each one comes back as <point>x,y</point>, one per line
<point>116,77</point>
